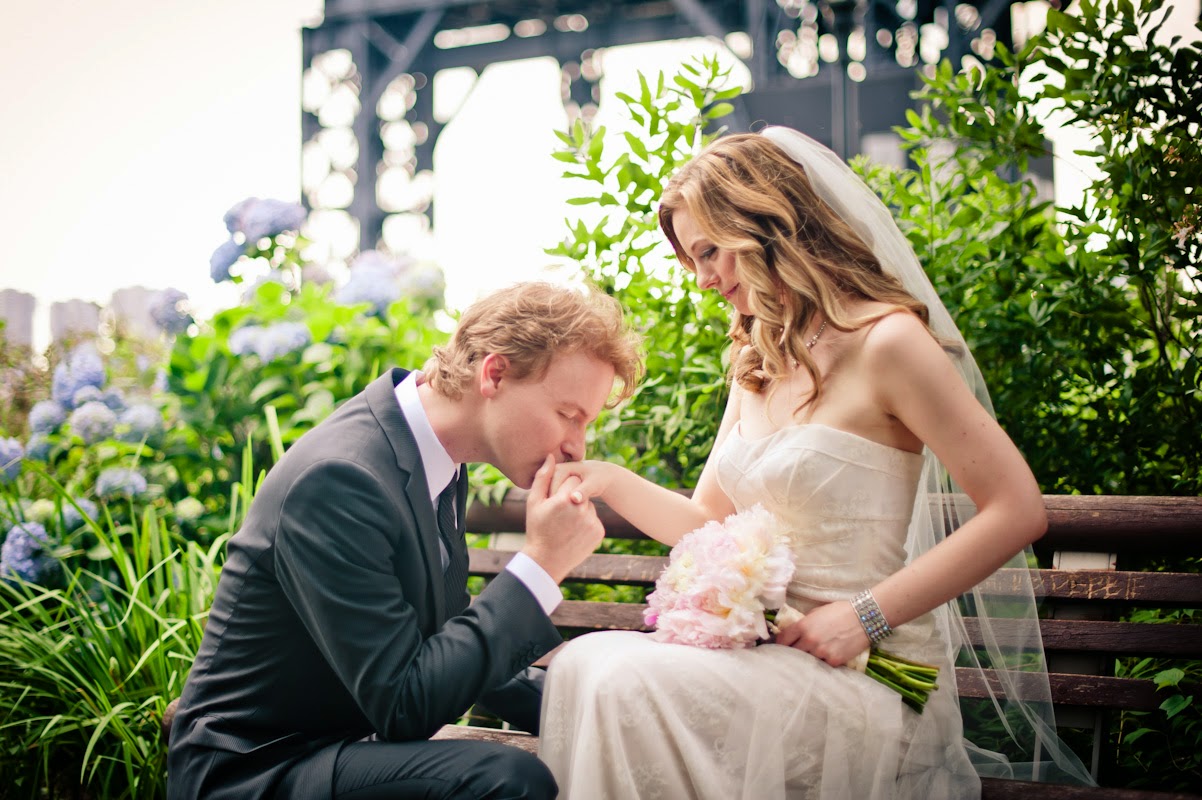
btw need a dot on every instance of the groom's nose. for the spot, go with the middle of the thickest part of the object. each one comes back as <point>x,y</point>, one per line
<point>573,446</point>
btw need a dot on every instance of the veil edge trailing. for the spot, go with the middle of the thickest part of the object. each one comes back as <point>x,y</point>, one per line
<point>1006,653</point>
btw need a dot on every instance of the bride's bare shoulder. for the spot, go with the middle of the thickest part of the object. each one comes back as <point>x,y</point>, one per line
<point>896,334</point>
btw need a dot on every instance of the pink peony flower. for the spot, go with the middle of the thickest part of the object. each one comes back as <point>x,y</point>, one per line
<point>719,580</point>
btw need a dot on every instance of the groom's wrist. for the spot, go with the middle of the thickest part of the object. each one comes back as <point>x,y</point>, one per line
<point>540,583</point>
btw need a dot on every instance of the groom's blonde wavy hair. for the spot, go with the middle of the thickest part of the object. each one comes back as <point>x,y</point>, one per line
<point>530,324</point>
<point>794,255</point>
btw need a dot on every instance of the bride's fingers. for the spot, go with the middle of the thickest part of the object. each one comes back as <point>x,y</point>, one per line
<point>790,635</point>
<point>562,473</point>
<point>570,486</point>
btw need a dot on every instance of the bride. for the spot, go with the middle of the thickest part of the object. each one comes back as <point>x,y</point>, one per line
<point>855,411</point>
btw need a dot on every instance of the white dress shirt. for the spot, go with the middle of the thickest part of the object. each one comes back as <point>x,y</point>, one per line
<point>440,469</point>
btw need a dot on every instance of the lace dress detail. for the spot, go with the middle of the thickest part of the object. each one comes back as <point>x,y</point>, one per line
<point>627,717</point>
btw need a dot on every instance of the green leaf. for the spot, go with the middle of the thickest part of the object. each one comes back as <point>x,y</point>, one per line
<point>636,145</point>
<point>268,388</point>
<point>597,143</point>
<point>1133,736</point>
<point>1168,677</point>
<point>1176,704</point>
<point>719,110</point>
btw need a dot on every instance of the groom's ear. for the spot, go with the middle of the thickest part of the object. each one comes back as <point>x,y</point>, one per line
<point>492,370</point>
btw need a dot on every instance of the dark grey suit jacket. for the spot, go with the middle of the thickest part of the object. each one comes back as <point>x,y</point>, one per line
<point>330,622</point>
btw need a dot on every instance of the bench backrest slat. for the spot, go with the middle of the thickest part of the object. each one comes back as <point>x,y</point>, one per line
<point>1092,586</point>
<point>1095,523</point>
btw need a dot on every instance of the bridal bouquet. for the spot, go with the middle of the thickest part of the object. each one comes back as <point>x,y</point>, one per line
<point>724,588</point>
<point>719,580</point>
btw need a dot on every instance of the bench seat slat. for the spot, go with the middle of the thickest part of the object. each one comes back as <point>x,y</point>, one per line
<point>1089,691</point>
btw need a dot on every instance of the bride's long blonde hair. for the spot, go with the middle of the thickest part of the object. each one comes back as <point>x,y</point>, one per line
<point>794,255</point>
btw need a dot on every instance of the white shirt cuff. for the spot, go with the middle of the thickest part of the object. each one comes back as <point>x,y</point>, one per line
<point>536,579</point>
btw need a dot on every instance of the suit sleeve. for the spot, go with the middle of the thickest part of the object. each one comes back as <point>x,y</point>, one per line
<point>518,701</point>
<point>334,561</point>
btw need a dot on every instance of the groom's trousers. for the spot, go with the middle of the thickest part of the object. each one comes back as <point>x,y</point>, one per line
<point>373,770</point>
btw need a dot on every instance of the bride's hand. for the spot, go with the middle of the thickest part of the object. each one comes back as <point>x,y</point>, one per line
<point>831,632</point>
<point>594,477</point>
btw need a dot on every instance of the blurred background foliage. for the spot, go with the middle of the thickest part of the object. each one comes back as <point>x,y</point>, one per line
<point>125,463</point>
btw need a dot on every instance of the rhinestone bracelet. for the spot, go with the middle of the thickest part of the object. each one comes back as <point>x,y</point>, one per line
<point>871,616</point>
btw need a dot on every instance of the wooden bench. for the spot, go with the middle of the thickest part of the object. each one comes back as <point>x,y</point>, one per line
<point>1085,593</point>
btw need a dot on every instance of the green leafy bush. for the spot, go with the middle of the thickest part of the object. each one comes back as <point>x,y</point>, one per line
<point>1083,319</point>
<point>87,667</point>
<point>666,429</point>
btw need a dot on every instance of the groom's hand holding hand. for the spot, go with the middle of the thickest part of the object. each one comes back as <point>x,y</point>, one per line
<point>560,530</point>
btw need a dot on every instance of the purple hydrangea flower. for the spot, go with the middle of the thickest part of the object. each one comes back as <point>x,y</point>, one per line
<point>11,453</point>
<point>46,416</point>
<point>233,217</point>
<point>83,369</point>
<point>424,281</point>
<point>160,381</point>
<point>24,553</point>
<point>223,258</point>
<point>120,482</point>
<point>93,422</point>
<point>270,218</point>
<point>71,517</point>
<point>87,369</point>
<point>281,339</point>
<point>38,448</point>
<point>379,260</point>
<point>62,387</point>
<point>244,341</point>
<point>113,399</point>
<point>140,421</point>
<point>86,394</point>
<point>374,279</point>
<point>168,310</point>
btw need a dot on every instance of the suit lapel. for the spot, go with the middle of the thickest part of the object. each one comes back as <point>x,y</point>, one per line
<point>381,398</point>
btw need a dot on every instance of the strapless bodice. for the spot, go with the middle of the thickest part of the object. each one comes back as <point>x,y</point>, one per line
<point>845,502</point>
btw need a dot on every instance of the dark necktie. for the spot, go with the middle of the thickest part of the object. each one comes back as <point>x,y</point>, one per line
<point>455,575</point>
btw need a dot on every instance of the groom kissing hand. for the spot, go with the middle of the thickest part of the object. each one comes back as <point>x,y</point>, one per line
<point>341,636</point>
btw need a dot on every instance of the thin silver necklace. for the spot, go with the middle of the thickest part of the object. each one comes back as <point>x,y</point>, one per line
<point>814,339</point>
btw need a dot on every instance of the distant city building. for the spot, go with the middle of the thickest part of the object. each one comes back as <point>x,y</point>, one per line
<point>73,317</point>
<point>16,309</point>
<point>130,309</point>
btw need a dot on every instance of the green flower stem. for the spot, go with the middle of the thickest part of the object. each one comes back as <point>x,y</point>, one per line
<point>913,680</point>
<point>901,675</point>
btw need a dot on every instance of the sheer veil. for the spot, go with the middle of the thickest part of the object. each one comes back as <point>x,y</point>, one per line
<point>993,631</point>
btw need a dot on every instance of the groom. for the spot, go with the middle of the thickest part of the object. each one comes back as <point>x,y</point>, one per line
<point>341,637</point>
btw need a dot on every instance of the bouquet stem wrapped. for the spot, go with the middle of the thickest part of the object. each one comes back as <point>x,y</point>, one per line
<point>723,582</point>
<point>913,680</point>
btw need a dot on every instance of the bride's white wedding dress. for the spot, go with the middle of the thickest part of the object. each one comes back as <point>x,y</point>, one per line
<point>627,717</point>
